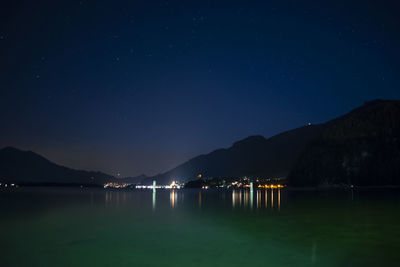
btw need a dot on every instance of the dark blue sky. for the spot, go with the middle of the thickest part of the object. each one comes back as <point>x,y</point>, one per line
<point>141,86</point>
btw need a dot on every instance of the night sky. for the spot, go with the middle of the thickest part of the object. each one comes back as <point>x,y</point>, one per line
<point>141,86</point>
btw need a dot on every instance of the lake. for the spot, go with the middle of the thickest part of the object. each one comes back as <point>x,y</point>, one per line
<point>98,227</point>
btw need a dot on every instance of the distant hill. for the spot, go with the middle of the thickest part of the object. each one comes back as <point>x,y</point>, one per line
<point>26,167</point>
<point>359,148</point>
<point>254,156</point>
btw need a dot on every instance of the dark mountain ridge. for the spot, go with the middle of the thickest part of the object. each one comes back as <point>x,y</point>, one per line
<point>254,156</point>
<point>360,148</point>
<point>27,167</point>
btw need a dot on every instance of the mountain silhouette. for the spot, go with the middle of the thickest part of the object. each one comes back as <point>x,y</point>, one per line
<point>359,148</point>
<point>27,167</point>
<point>253,156</point>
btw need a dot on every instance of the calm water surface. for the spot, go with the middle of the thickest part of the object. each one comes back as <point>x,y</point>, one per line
<point>97,227</point>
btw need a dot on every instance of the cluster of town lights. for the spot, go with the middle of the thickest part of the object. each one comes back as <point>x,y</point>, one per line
<point>271,186</point>
<point>173,185</point>
<point>116,185</point>
<point>8,185</point>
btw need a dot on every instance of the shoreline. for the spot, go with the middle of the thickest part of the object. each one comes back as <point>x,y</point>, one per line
<point>288,188</point>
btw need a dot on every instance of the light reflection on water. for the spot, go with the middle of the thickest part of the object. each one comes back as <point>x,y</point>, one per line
<point>154,199</point>
<point>268,196</point>
<point>279,199</point>
<point>311,228</point>
<point>114,197</point>
<point>272,198</point>
<point>236,198</point>
<point>173,198</point>
<point>199,199</point>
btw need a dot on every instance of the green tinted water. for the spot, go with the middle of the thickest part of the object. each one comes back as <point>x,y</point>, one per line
<point>96,227</point>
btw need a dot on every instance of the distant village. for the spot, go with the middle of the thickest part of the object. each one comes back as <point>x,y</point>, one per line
<point>208,183</point>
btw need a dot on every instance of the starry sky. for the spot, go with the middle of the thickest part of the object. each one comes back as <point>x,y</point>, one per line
<point>141,86</point>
